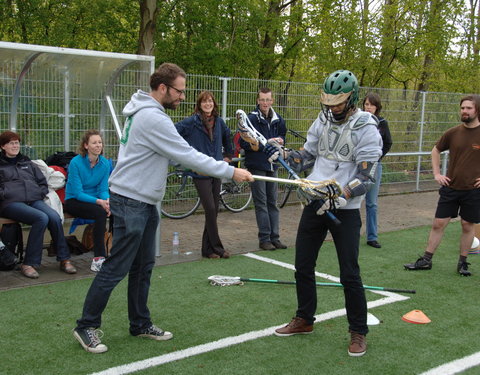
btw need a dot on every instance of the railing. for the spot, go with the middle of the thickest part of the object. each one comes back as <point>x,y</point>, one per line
<point>394,181</point>
<point>416,177</point>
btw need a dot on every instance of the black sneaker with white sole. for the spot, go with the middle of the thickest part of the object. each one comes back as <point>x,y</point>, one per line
<point>89,338</point>
<point>155,333</point>
<point>420,264</point>
<point>462,269</point>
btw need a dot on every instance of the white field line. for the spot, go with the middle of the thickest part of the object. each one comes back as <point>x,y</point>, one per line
<point>456,366</point>
<point>235,340</point>
<point>450,368</point>
<point>319,274</point>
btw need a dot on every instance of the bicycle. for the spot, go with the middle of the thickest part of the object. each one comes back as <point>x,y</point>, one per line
<point>284,190</point>
<point>181,198</point>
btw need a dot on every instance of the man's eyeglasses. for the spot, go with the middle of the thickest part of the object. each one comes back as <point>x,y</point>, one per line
<point>181,92</point>
<point>265,100</point>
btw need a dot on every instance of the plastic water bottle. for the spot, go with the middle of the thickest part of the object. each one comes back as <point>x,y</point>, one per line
<point>175,244</point>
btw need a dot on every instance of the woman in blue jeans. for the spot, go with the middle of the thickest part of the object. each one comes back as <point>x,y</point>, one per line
<point>23,188</point>
<point>373,105</point>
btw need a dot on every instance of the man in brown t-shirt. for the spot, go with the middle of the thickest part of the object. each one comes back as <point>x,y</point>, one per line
<point>460,188</point>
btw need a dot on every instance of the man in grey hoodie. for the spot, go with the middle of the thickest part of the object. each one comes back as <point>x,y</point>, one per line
<point>137,184</point>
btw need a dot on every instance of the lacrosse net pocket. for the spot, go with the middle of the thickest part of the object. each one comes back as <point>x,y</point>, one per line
<point>218,280</point>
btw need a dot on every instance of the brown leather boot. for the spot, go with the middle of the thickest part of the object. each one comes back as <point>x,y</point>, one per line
<point>297,326</point>
<point>29,271</point>
<point>358,344</point>
<point>67,267</point>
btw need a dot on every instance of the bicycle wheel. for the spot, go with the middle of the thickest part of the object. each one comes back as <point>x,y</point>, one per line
<point>181,198</point>
<point>284,190</point>
<point>235,196</point>
<point>283,194</point>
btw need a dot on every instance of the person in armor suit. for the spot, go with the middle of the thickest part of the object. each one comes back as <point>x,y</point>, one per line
<point>345,145</point>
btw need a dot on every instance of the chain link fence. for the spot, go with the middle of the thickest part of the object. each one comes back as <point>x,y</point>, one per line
<point>416,120</point>
<point>51,101</point>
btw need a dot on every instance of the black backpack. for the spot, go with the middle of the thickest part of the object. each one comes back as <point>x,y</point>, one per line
<point>7,259</point>
<point>12,237</point>
<point>60,158</point>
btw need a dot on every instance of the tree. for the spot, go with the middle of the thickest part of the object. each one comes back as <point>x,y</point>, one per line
<point>148,19</point>
<point>422,45</point>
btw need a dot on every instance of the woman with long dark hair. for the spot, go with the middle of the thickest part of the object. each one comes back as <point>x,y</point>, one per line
<point>373,105</point>
<point>206,131</point>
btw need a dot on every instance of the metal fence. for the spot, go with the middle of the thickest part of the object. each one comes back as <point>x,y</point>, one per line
<point>51,97</point>
<point>416,120</point>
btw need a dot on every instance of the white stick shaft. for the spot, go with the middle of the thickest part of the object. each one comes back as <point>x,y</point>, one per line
<point>276,179</point>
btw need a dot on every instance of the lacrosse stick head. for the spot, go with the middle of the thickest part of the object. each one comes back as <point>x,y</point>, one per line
<point>219,280</point>
<point>242,120</point>
<point>247,130</point>
<point>327,189</point>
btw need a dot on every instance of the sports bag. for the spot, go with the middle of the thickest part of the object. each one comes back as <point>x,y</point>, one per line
<point>74,246</point>
<point>87,237</point>
<point>60,158</point>
<point>12,237</point>
<point>7,259</point>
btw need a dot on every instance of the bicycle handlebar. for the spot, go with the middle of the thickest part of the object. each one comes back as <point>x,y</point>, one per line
<point>296,134</point>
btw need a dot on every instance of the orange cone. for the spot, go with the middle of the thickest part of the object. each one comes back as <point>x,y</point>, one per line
<point>416,317</point>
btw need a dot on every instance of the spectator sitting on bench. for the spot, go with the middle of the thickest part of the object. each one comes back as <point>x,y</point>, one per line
<point>23,188</point>
<point>86,193</point>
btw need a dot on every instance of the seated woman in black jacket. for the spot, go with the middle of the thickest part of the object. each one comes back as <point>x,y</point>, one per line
<point>22,190</point>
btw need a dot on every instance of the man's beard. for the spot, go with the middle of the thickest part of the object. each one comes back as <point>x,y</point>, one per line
<point>169,103</point>
<point>467,119</point>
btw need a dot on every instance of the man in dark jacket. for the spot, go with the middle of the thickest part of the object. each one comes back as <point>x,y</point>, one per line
<point>272,126</point>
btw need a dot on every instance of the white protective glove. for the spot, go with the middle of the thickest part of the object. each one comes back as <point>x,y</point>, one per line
<point>339,203</point>
<point>274,149</point>
<point>272,152</point>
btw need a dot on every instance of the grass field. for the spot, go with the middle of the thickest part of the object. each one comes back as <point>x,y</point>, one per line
<point>36,322</point>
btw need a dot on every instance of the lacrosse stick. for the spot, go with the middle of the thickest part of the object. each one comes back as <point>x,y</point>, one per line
<point>328,189</point>
<point>245,126</point>
<point>236,280</point>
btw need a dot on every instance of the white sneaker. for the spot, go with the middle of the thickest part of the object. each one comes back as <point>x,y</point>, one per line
<point>97,264</point>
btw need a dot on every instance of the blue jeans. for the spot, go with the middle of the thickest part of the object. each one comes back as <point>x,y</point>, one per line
<point>311,234</point>
<point>40,216</point>
<point>266,211</point>
<point>133,253</point>
<point>371,199</point>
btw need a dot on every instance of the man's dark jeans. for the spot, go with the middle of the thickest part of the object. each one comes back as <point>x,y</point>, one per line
<point>133,253</point>
<point>312,231</point>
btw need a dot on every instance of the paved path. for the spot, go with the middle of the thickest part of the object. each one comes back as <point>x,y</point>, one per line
<point>239,235</point>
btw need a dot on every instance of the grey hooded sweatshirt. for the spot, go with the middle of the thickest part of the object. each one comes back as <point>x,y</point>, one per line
<point>149,141</point>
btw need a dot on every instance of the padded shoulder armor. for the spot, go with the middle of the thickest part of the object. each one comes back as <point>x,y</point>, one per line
<point>364,119</point>
<point>322,118</point>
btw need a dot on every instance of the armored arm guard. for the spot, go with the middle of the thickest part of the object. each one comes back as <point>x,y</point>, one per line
<point>363,181</point>
<point>300,160</point>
